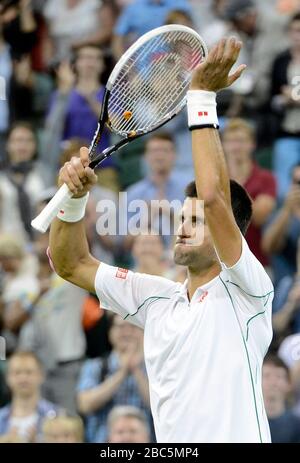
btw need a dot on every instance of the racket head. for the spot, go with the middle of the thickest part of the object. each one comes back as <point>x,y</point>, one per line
<point>148,85</point>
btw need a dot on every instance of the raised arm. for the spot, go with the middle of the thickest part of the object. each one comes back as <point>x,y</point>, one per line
<point>68,243</point>
<point>211,175</point>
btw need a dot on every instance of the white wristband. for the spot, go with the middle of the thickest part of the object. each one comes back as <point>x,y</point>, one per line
<point>74,209</point>
<point>202,109</point>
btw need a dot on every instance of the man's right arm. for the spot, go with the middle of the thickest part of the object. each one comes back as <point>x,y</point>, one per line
<point>69,250</point>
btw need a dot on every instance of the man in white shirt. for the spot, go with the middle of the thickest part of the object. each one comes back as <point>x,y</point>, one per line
<point>204,340</point>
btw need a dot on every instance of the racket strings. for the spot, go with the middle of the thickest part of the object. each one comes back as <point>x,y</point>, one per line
<point>165,58</point>
<point>153,82</point>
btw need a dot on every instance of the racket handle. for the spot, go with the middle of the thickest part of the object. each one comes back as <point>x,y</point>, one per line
<point>44,219</point>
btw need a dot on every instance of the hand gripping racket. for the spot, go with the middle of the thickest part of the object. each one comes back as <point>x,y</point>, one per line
<point>146,89</point>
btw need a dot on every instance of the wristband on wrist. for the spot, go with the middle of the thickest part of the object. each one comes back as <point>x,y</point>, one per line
<point>74,209</point>
<point>202,109</point>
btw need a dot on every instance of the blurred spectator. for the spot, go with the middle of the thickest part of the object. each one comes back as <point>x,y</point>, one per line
<point>284,425</point>
<point>216,27</point>
<point>21,420</point>
<point>148,254</point>
<point>160,183</point>
<point>6,73</point>
<point>55,322</point>
<point>286,103</point>
<point>19,26</point>
<point>20,183</point>
<point>263,36</point>
<point>19,283</point>
<point>77,23</point>
<point>239,146</point>
<point>77,103</point>
<point>141,16</point>
<point>286,305</point>
<point>119,379</point>
<point>281,236</point>
<point>127,425</point>
<point>63,430</point>
<point>29,92</point>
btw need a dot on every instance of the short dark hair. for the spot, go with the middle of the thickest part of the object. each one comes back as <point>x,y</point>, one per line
<point>240,202</point>
<point>273,359</point>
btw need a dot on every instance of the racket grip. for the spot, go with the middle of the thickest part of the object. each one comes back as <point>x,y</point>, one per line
<point>43,220</point>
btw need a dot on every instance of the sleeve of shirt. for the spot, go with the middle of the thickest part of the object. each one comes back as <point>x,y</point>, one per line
<point>128,293</point>
<point>249,279</point>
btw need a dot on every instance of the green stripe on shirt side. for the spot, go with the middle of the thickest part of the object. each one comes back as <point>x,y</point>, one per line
<point>250,319</point>
<point>248,359</point>
<point>251,295</point>
<point>156,298</point>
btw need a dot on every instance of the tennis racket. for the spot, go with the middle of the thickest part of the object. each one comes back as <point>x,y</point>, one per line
<point>146,89</point>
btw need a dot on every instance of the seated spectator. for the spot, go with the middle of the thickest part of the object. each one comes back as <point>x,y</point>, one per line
<point>118,379</point>
<point>280,238</point>
<point>63,430</point>
<point>286,104</point>
<point>127,425</point>
<point>284,425</point>
<point>21,420</point>
<point>139,17</point>
<point>239,146</point>
<point>20,183</point>
<point>78,22</point>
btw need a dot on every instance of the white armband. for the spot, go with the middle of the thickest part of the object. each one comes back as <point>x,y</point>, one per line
<point>202,109</point>
<point>74,209</point>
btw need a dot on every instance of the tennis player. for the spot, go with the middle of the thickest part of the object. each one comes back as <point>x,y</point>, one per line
<point>205,340</point>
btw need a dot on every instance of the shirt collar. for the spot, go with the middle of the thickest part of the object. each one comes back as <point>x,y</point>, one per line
<point>200,291</point>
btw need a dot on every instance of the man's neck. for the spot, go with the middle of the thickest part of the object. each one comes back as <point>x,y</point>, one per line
<point>24,406</point>
<point>240,170</point>
<point>196,279</point>
<point>275,408</point>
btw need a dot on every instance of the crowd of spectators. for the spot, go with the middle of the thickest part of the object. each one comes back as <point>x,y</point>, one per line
<point>73,372</point>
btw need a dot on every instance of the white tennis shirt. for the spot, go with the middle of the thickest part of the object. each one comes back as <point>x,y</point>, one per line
<point>204,356</point>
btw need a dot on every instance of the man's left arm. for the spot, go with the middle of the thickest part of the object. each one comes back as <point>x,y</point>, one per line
<point>211,174</point>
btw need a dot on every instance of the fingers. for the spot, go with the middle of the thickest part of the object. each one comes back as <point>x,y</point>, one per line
<point>84,156</point>
<point>236,75</point>
<point>76,175</point>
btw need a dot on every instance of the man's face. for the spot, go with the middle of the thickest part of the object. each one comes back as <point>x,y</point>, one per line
<point>128,430</point>
<point>194,247</point>
<point>294,34</point>
<point>24,376</point>
<point>124,335</point>
<point>275,382</point>
<point>160,156</point>
<point>238,145</point>
<point>21,145</point>
<point>89,61</point>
